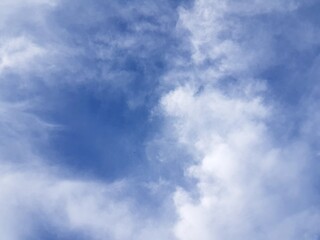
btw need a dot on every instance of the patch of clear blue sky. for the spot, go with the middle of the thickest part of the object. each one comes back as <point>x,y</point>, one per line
<point>291,79</point>
<point>105,117</point>
<point>294,60</point>
<point>46,230</point>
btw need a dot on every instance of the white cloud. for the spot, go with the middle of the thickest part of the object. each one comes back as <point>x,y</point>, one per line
<point>19,54</point>
<point>97,210</point>
<point>248,185</point>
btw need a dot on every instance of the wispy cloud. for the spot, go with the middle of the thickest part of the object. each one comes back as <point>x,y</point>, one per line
<point>168,120</point>
<point>64,205</point>
<point>57,63</point>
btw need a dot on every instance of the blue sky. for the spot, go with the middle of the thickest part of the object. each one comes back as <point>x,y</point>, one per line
<point>176,120</point>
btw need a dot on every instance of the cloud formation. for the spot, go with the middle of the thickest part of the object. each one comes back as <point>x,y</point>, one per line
<point>39,200</point>
<point>248,183</point>
<point>172,120</point>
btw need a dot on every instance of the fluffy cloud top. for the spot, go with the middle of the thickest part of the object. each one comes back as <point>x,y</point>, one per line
<point>248,183</point>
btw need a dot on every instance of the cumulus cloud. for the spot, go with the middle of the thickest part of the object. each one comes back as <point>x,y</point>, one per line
<point>248,184</point>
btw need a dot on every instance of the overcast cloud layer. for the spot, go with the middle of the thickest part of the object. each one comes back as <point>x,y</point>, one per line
<point>176,120</point>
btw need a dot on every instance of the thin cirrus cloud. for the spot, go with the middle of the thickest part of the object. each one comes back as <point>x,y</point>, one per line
<point>174,120</point>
